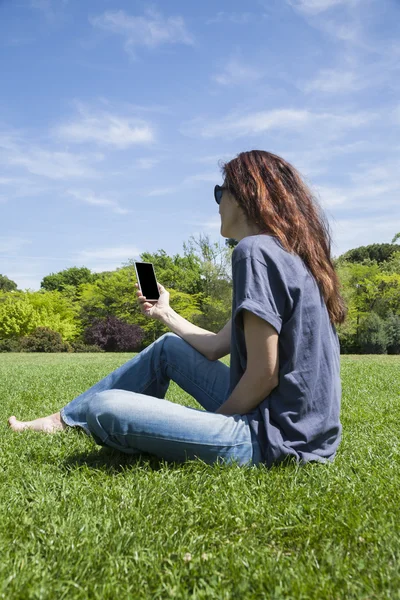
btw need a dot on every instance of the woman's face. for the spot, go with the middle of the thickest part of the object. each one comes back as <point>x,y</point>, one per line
<point>230,213</point>
<point>233,219</point>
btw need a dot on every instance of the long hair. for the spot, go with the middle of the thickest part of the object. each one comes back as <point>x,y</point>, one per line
<point>273,195</point>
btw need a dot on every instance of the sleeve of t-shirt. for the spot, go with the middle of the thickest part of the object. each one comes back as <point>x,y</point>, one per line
<point>259,289</point>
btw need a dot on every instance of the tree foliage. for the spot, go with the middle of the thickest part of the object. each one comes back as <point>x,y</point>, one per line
<point>114,335</point>
<point>43,339</point>
<point>374,252</point>
<point>6,284</point>
<point>22,312</point>
<point>75,302</point>
<point>70,279</point>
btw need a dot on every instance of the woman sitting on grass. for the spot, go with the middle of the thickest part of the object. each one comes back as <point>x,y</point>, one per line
<point>280,397</point>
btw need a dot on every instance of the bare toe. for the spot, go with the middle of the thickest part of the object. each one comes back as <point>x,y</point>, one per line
<point>15,424</point>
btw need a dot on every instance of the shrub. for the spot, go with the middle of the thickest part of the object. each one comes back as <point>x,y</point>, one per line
<point>114,335</point>
<point>348,343</point>
<point>393,333</point>
<point>21,313</point>
<point>82,347</point>
<point>373,338</point>
<point>44,339</point>
<point>10,345</point>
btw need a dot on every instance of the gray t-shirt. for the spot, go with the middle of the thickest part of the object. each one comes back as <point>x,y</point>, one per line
<point>300,417</point>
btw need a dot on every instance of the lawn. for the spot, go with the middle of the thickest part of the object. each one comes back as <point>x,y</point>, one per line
<point>80,521</point>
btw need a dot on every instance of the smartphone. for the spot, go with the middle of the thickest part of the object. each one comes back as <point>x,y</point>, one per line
<point>147,280</point>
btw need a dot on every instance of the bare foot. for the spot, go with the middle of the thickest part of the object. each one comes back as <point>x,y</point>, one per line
<point>48,424</point>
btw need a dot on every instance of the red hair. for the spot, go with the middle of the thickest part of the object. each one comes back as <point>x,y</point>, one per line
<point>273,195</point>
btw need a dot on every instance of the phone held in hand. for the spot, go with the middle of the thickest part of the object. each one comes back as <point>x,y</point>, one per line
<point>147,281</point>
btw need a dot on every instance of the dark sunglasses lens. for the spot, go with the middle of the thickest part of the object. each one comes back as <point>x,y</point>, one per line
<point>218,194</point>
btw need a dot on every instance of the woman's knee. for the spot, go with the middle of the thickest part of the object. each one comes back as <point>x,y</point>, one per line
<point>99,413</point>
<point>172,341</point>
<point>170,337</point>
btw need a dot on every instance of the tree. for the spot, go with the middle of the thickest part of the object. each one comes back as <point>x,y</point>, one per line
<point>44,339</point>
<point>373,336</point>
<point>215,302</point>
<point>22,312</point>
<point>231,243</point>
<point>396,237</point>
<point>114,335</point>
<point>393,333</point>
<point>181,273</point>
<point>373,252</point>
<point>111,294</point>
<point>73,276</point>
<point>392,265</point>
<point>6,284</point>
<point>114,294</point>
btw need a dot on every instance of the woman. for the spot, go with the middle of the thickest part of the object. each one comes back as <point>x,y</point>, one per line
<point>281,395</point>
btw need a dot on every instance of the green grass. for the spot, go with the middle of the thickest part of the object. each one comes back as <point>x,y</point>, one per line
<point>80,521</point>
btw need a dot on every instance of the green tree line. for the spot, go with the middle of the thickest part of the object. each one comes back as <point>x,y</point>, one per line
<point>78,310</point>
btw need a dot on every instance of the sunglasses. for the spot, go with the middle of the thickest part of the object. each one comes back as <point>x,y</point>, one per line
<point>218,191</point>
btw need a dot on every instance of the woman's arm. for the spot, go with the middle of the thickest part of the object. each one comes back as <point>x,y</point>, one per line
<point>262,370</point>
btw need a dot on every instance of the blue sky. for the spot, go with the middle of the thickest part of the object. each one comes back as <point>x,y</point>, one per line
<point>115,113</point>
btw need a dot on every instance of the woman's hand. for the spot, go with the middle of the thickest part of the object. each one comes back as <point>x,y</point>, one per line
<point>156,308</point>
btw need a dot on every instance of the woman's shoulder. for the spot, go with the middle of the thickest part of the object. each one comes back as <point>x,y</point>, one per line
<point>266,248</point>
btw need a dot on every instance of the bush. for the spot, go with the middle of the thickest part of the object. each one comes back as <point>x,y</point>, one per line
<point>10,345</point>
<point>44,339</point>
<point>82,347</point>
<point>393,333</point>
<point>114,335</point>
<point>372,335</point>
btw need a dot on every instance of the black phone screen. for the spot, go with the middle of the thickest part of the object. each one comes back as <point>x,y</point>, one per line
<point>147,280</point>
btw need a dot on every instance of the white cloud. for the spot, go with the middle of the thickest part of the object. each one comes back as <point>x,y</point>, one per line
<point>146,163</point>
<point>236,73</point>
<point>16,150</point>
<point>316,160</point>
<point>151,31</point>
<point>120,252</point>
<point>214,158</point>
<point>284,119</point>
<point>316,6</point>
<point>113,256</point>
<point>54,165</point>
<point>359,231</point>
<point>236,18</point>
<point>372,187</point>
<point>45,7</point>
<point>346,24</point>
<point>20,187</point>
<point>334,81</point>
<point>105,129</point>
<point>90,197</point>
<point>331,196</point>
<point>162,191</point>
<point>208,177</point>
<point>52,10</point>
<point>12,245</point>
<point>213,224</point>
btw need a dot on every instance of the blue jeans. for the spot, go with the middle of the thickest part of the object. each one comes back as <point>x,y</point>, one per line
<point>127,410</point>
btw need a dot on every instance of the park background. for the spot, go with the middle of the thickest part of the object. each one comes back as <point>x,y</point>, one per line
<point>114,115</point>
<point>79,311</point>
<point>113,122</point>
